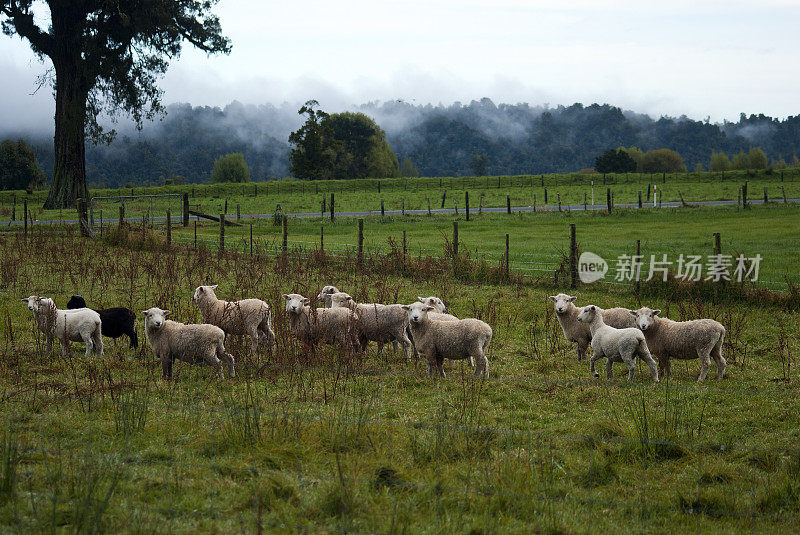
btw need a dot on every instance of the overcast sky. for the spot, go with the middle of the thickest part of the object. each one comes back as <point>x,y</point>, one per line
<point>699,58</point>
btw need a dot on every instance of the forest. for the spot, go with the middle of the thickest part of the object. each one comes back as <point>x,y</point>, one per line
<point>440,140</point>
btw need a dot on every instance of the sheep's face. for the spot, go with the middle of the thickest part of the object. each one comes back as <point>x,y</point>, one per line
<point>33,302</point>
<point>418,312</point>
<point>645,317</point>
<point>203,290</point>
<point>155,317</point>
<point>561,302</point>
<point>295,303</point>
<point>587,314</point>
<point>327,290</point>
<point>435,302</point>
<point>341,299</point>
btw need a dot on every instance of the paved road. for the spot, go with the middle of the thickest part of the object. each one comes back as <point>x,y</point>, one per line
<point>493,209</point>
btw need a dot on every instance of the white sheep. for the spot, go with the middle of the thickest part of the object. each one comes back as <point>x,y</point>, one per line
<point>438,313</point>
<point>683,340</point>
<point>77,325</point>
<point>617,345</point>
<point>328,325</point>
<point>376,322</point>
<point>193,343</point>
<point>247,316</point>
<point>575,331</point>
<point>325,294</point>
<point>454,340</point>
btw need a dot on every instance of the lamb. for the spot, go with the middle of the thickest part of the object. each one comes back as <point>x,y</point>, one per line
<point>376,322</point>
<point>438,313</point>
<point>615,344</point>
<point>81,325</point>
<point>194,343</point>
<point>574,331</point>
<point>684,340</point>
<point>455,340</point>
<point>114,322</point>
<point>247,316</point>
<point>328,325</point>
<point>324,296</point>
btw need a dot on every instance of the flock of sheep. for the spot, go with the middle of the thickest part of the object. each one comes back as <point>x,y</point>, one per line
<point>423,328</point>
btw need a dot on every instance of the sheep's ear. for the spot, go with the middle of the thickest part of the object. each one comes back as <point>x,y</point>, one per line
<point>306,300</point>
<point>24,299</point>
<point>285,296</point>
<point>201,289</point>
<point>656,312</point>
<point>405,307</point>
<point>553,298</point>
<point>145,313</point>
<point>572,298</point>
<point>429,308</point>
<point>348,298</point>
<point>166,313</point>
<point>214,287</point>
<point>421,299</point>
<point>633,313</point>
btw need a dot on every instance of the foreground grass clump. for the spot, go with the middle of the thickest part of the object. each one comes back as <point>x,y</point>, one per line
<point>333,442</point>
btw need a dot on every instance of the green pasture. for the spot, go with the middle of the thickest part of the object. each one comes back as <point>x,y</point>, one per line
<point>335,442</point>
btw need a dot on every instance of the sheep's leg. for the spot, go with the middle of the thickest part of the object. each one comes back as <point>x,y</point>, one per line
<point>440,366</point>
<point>213,360</point>
<point>252,332</point>
<point>609,365</point>
<point>481,365</point>
<point>166,367</point>
<point>645,356</point>
<point>395,345</point>
<point>431,364</point>
<point>50,345</point>
<point>228,359</point>
<point>705,360</point>
<point>87,339</point>
<point>582,345</point>
<point>405,341</point>
<point>594,358</point>
<point>716,353</point>
<point>630,362</point>
<point>98,344</point>
<point>664,366</point>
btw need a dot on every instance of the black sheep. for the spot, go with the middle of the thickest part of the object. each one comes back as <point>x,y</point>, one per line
<point>114,322</point>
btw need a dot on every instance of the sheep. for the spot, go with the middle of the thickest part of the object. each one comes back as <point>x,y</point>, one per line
<point>455,340</point>
<point>376,322</point>
<point>247,316</point>
<point>114,322</point>
<point>684,340</point>
<point>81,325</point>
<point>574,331</point>
<point>194,343</point>
<point>615,344</point>
<point>438,313</point>
<point>328,325</point>
<point>324,296</point>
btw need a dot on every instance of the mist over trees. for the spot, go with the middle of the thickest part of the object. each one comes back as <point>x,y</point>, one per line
<point>436,140</point>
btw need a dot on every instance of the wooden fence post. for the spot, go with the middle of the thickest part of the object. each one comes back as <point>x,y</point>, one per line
<point>573,257</point>
<point>14,209</point>
<point>285,245</point>
<point>226,206</point>
<point>766,199</point>
<point>744,195</point>
<point>382,211</point>
<point>640,198</point>
<point>221,233</point>
<point>360,243</point>
<point>238,213</point>
<point>508,204</point>
<point>638,260</point>
<point>121,214</point>
<point>466,204</point>
<point>429,206</point>
<point>322,239</point>
<point>717,243</point>
<point>455,245</point>
<point>83,218</point>
<point>534,202</point>
<point>404,252</point>
<point>559,201</point>
<point>379,186</point>
<point>444,196</point>
<point>403,206</point>
<point>608,199</point>
<point>545,196</point>
<point>185,209</point>
<point>332,210</point>
<point>251,239</point>
<point>169,226</point>
<point>195,234</point>
<point>506,263</point>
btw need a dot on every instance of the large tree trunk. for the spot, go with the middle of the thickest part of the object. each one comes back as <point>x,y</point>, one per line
<point>69,169</point>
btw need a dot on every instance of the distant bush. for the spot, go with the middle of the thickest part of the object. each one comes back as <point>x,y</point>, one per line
<point>230,168</point>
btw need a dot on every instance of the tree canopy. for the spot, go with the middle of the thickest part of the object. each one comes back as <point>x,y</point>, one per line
<point>230,168</point>
<point>340,145</point>
<point>662,161</point>
<point>615,161</point>
<point>106,57</point>
<point>18,166</point>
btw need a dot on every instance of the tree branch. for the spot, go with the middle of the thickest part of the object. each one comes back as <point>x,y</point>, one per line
<point>22,21</point>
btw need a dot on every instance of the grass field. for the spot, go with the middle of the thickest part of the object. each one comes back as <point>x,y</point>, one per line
<point>338,442</point>
<point>414,193</point>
